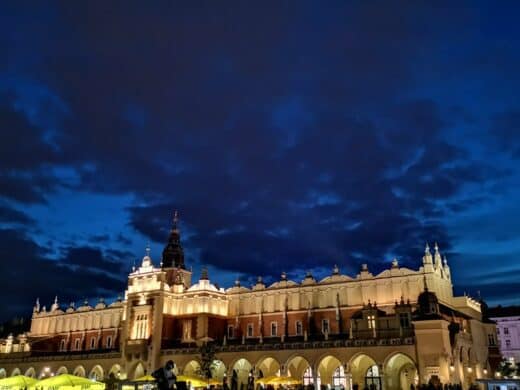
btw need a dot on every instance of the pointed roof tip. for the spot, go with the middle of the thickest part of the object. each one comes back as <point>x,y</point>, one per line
<point>436,247</point>
<point>204,274</point>
<point>147,249</point>
<point>427,248</point>
<point>175,220</point>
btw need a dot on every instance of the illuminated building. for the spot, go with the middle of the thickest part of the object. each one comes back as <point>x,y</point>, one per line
<point>508,330</point>
<point>390,330</point>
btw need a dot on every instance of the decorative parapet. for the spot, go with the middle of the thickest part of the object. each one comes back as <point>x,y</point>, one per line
<point>32,357</point>
<point>297,345</point>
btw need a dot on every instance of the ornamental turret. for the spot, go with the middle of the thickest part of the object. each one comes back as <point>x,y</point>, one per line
<point>36,308</point>
<point>427,258</point>
<point>55,306</point>
<point>173,254</point>
<point>437,257</point>
<point>446,268</point>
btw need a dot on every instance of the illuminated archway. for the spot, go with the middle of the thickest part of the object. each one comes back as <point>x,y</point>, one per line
<point>3,373</point>
<point>191,368</point>
<point>218,369</point>
<point>79,371</point>
<point>62,370</point>
<point>96,373</point>
<point>115,372</point>
<point>331,372</point>
<point>400,372</point>
<point>242,367</point>
<point>365,372</point>
<point>268,366</point>
<point>299,367</point>
<point>31,372</point>
<point>15,372</point>
<point>139,371</point>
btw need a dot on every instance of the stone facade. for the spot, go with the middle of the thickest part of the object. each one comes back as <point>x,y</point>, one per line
<point>393,329</point>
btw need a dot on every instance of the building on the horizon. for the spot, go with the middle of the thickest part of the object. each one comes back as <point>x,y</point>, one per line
<point>390,330</point>
<point>508,330</point>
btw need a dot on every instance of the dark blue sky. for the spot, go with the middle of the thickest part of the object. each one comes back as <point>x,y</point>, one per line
<point>289,135</point>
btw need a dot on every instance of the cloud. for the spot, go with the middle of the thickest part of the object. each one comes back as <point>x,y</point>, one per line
<point>28,273</point>
<point>292,137</point>
<point>11,215</point>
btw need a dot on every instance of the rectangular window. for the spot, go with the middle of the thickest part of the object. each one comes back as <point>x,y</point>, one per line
<point>506,330</point>
<point>299,328</point>
<point>230,332</point>
<point>274,329</point>
<point>93,343</point>
<point>325,326</point>
<point>371,322</point>
<point>508,343</point>
<point>76,345</point>
<point>249,330</point>
<point>491,339</point>
<point>109,342</point>
<point>62,345</point>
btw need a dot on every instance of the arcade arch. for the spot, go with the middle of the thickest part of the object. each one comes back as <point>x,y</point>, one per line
<point>3,373</point>
<point>31,372</point>
<point>331,372</point>
<point>62,370</point>
<point>218,369</point>
<point>268,366</point>
<point>79,371</point>
<point>115,371</point>
<point>365,372</point>
<point>96,373</point>
<point>191,368</point>
<point>298,367</point>
<point>242,367</point>
<point>15,372</point>
<point>400,372</point>
<point>139,371</point>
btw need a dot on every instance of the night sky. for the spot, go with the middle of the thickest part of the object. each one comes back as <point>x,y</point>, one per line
<point>290,136</point>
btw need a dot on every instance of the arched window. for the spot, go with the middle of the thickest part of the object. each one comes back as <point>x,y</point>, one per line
<point>373,379</point>
<point>307,377</point>
<point>93,343</point>
<point>62,345</point>
<point>373,371</point>
<point>76,345</point>
<point>109,342</point>
<point>338,378</point>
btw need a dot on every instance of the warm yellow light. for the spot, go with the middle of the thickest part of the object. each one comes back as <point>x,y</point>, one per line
<point>485,371</point>
<point>497,374</point>
<point>470,369</point>
<point>452,367</point>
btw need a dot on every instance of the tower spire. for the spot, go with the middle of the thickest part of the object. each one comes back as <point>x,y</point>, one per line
<point>173,254</point>
<point>175,220</point>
